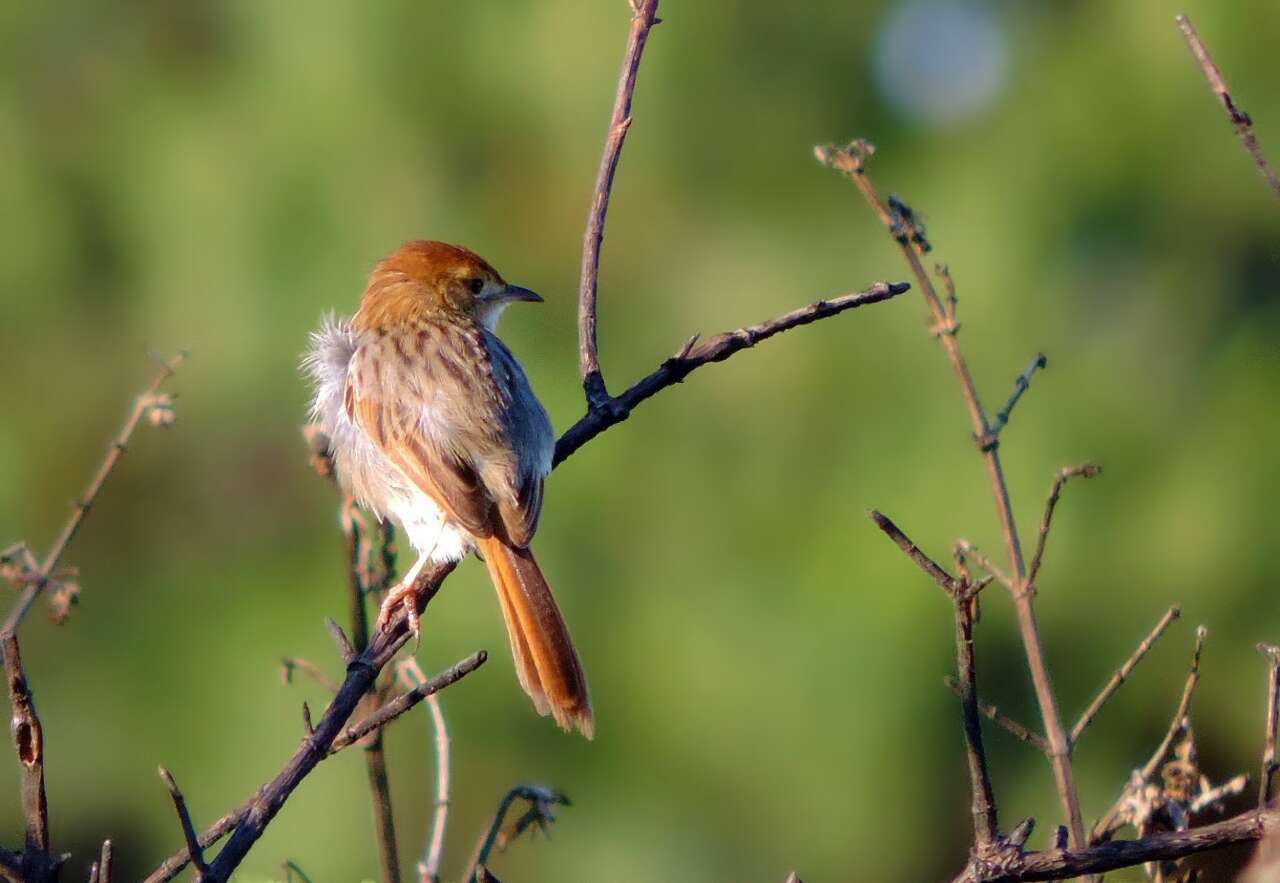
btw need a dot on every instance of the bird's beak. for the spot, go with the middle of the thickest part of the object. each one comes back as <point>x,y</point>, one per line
<point>515,292</point>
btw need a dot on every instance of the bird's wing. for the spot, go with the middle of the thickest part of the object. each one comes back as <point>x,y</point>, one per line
<point>387,396</point>
<point>455,414</point>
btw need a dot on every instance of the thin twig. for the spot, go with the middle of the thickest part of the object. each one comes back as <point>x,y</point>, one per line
<point>405,701</point>
<point>290,868</point>
<point>429,866</point>
<point>290,664</point>
<point>1011,726</point>
<point>644,17</point>
<point>188,829</point>
<point>851,162</point>
<point>1240,120</point>
<point>1111,821</point>
<point>143,405</point>
<point>1121,673</point>
<point>1021,385</point>
<point>946,581</point>
<point>1084,470</point>
<point>541,800</point>
<point>980,558</point>
<point>694,354</point>
<point>1269,765</point>
<point>983,804</point>
<point>28,740</point>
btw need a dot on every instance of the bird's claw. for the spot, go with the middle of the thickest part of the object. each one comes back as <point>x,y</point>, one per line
<point>406,596</point>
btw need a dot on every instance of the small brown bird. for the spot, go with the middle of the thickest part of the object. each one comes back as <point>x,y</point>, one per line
<point>432,421</point>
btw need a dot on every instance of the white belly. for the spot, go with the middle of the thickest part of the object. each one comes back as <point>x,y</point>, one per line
<point>424,524</point>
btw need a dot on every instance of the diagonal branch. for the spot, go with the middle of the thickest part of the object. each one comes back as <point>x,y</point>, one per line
<point>1020,386</point>
<point>695,354</point>
<point>188,829</point>
<point>1121,673</point>
<point>148,402</point>
<point>644,17</point>
<point>1240,120</point>
<point>1008,724</point>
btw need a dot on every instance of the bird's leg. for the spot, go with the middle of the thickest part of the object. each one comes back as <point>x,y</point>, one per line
<point>405,593</point>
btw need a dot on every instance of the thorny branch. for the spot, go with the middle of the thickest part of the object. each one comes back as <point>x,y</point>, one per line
<point>188,829</point>
<point>1240,120</point>
<point>151,404</point>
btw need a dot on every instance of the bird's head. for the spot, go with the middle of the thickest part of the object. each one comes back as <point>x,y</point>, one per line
<point>425,279</point>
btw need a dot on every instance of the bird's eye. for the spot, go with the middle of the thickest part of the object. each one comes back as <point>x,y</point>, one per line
<point>476,285</point>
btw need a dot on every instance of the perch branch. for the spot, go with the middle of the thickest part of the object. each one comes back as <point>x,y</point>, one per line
<point>694,354</point>
<point>142,406</point>
<point>644,17</point>
<point>251,819</point>
<point>1240,120</point>
<point>1121,673</point>
<point>902,227</point>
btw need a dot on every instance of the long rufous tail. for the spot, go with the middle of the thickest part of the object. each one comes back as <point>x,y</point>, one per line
<point>546,661</point>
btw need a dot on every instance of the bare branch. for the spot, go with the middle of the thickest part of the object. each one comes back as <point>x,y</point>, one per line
<point>1011,726</point>
<point>1121,673</point>
<point>28,739</point>
<point>695,354</point>
<point>1269,765</point>
<point>983,805</point>
<point>402,703</point>
<point>644,17</point>
<point>945,581</point>
<point>290,664</point>
<point>1240,120</point>
<point>1021,385</point>
<point>1112,820</point>
<point>147,403</point>
<point>1062,864</point>
<point>542,802</point>
<point>902,225</point>
<point>1085,470</point>
<point>968,549</point>
<point>188,829</point>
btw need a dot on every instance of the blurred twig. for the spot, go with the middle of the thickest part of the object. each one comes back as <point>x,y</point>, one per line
<point>1240,120</point>
<point>188,829</point>
<point>1269,765</point>
<point>1121,673</point>
<point>1011,726</point>
<point>542,802</point>
<point>149,403</point>
<point>429,865</point>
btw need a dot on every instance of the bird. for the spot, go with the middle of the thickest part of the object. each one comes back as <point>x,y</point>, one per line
<point>432,421</point>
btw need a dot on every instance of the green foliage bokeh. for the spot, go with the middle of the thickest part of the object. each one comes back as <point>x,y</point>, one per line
<point>766,668</point>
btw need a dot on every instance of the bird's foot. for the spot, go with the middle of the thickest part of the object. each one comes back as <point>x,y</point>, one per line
<point>404,595</point>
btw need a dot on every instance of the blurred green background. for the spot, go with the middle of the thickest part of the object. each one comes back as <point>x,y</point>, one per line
<point>767,669</point>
